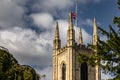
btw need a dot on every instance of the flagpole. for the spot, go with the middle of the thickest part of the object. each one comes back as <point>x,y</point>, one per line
<point>76,14</point>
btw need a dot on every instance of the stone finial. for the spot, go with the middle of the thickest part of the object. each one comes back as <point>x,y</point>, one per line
<point>70,21</point>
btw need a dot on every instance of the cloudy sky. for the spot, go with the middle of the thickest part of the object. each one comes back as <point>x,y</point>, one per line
<point>27,27</point>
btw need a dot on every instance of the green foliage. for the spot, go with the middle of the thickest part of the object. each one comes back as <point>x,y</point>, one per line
<point>109,50</point>
<point>90,59</point>
<point>118,4</point>
<point>11,70</point>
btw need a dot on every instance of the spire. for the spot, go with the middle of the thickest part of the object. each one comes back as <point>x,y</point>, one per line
<point>95,39</point>
<point>80,37</point>
<point>57,31</point>
<point>95,32</point>
<point>70,21</point>
<point>57,41</point>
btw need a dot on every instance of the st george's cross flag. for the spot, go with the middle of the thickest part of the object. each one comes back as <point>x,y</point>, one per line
<point>74,15</point>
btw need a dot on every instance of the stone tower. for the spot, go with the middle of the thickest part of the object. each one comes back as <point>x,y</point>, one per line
<point>65,59</point>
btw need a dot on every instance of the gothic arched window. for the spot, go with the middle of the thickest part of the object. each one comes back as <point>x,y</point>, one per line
<point>63,72</point>
<point>84,71</point>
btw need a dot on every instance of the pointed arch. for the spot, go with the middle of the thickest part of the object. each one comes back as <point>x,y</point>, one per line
<point>63,71</point>
<point>84,71</point>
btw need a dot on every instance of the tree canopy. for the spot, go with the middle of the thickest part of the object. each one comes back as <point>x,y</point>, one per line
<point>108,50</point>
<point>11,70</point>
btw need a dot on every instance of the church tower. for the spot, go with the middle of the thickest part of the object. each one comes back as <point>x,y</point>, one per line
<point>65,59</point>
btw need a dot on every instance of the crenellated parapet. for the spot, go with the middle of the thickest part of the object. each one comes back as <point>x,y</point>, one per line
<point>84,49</point>
<point>61,50</point>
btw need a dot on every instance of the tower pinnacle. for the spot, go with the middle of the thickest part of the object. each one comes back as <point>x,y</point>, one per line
<point>80,37</point>
<point>57,41</point>
<point>95,32</point>
<point>57,31</point>
<point>95,39</point>
<point>71,32</point>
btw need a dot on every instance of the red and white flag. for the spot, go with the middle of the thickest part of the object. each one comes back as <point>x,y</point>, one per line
<point>74,15</point>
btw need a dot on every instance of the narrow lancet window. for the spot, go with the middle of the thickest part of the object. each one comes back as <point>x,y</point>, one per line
<point>84,71</point>
<point>63,72</point>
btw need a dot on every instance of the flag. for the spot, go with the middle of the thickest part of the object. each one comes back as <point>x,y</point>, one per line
<point>74,15</point>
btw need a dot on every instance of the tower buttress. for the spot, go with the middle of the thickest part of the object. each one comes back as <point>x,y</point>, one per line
<point>95,33</point>
<point>57,41</point>
<point>71,32</point>
<point>80,41</point>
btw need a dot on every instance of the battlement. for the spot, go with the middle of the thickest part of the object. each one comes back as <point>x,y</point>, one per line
<point>84,48</point>
<point>62,49</point>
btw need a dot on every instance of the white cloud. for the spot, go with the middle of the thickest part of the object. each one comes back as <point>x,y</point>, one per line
<point>44,20</point>
<point>87,22</point>
<point>28,46</point>
<point>57,3</point>
<point>11,13</point>
<point>52,4</point>
<point>20,2</point>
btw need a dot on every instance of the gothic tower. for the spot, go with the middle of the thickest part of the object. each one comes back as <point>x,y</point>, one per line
<point>65,59</point>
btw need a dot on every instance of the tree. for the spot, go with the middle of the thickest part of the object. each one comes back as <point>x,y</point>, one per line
<point>109,50</point>
<point>11,70</point>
